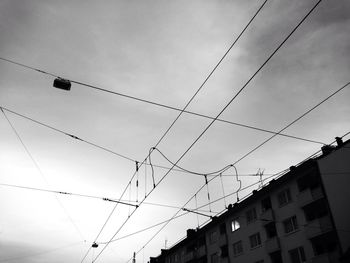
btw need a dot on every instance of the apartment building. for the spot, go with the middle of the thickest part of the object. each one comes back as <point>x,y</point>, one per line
<point>302,216</point>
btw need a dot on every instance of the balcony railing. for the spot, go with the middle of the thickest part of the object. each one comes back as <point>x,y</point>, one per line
<point>318,227</point>
<point>267,216</point>
<point>272,245</point>
<point>309,195</point>
<point>325,258</point>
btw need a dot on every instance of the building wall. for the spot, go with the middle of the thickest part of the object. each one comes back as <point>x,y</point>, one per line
<point>335,173</point>
<point>332,170</point>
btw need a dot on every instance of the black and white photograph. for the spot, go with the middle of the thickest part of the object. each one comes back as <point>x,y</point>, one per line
<point>175,131</point>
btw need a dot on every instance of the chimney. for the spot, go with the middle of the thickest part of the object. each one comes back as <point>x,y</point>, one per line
<point>190,232</point>
<point>339,141</point>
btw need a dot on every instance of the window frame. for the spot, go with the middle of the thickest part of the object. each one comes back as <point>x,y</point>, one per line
<point>290,221</point>
<point>255,240</point>
<point>251,215</point>
<point>234,224</point>
<point>299,252</point>
<point>237,248</point>
<point>286,195</point>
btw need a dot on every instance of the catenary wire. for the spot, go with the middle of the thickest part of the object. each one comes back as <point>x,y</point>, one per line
<point>102,147</point>
<point>277,175</point>
<point>41,173</point>
<point>187,211</point>
<point>225,107</point>
<point>166,132</point>
<point>294,121</point>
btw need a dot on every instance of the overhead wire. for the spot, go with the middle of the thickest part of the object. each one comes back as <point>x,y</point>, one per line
<point>41,173</point>
<point>238,93</point>
<point>228,104</point>
<point>294,121</point>
<point>277,175</point>
<point>73,136</point>
<point>166,132</point>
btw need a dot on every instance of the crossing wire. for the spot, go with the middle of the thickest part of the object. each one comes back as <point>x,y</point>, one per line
<point>173,123</point>
<point>104,148</point>
<point>41,172</point>
<point>232,99</point>
<point>277,175</point>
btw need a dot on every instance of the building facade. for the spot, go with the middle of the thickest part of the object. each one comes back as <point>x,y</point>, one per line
<point>303,216</point>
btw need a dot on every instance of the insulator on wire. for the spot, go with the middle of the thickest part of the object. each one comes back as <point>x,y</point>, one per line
<point>137,166</point>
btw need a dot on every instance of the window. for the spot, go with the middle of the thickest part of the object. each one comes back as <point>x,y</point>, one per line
<point>237,248</point>
<point>290,224</point>
<point>235,225</point>
<point>284,197</point>
<point>214,258</point>
<point>266,204</point>
<point>297,255</point>
<point>213,237</point>
<point>224,251</point>
<point>271,230</point>
<point>276,257</point>
<point>223,229</point>
<point>251,215</point>
<point>255,240</point>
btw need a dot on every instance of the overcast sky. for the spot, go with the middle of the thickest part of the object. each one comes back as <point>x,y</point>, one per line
<point>160,51</point>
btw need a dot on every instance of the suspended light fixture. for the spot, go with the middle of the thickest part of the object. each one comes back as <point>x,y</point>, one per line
<point>94,245</point>
<point>62,84</point>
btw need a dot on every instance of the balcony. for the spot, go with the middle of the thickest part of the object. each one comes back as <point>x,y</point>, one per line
<point>267,216</point>
<point>325,258</point>
<point>272,245</point>
<point>318,226</point>
<point>309,195</point>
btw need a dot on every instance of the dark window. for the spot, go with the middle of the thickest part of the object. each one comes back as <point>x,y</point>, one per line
<point>284,197</point>
<point>325,243</point>
<point>271,230</point>
<point>213,237</point>
<point>224,251</point>
<point>309,181</point>
<point>237,248</point>
<point>222,229</point>
<point>290,224</point>
<point>276,257</point>
<point>201,241</point>
<point>255,240</point>
<point>297,255</point>
<point>251,215</point>
<point>266,204</point>
<point>315,210</point>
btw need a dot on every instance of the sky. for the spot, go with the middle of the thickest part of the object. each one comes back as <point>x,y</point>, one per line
<point>160,51</point>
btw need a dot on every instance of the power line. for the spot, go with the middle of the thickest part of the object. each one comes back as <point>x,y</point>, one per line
<point>225,107</point>
<point>187,211</point>
<point>278,175</point>
<point>294,121</point>
<point>125,202</point>
<point>75,137</point>
<point>166,132</point>
<point>40,172</point>
<point>171,108</point>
